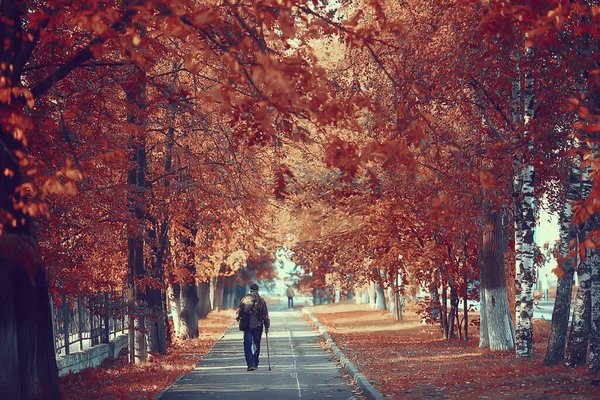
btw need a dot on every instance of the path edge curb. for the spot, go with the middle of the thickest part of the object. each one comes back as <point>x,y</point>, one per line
<point>358,378</point>
<point>165,390</point>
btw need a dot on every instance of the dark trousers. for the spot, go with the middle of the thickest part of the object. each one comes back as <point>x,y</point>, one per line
<point>290,302</point>
<point>252,335</point>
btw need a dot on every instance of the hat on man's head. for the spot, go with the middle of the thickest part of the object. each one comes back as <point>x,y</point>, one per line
<point>254,288</point>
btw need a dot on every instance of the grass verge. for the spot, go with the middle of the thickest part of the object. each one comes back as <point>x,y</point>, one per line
<point>409,360</point>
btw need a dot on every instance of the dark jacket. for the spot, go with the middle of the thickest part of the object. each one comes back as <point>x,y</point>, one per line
<point>259,314</point>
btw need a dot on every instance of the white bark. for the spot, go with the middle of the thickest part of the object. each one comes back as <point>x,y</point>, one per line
<point>175,307</point>
<point>141,350</point>
<point>358,298</point>
<point>390,300</point>
<point>400,300</point>
<point>372,299</point>
<point>525,229</point>
<point>594,361</point>
<point>499,321</point>
<point>525,253</point>
<point>379,297</point>
<point>365,294</point>
<point>496,312</point>
<point>484,338</point>
<point>577,346</point>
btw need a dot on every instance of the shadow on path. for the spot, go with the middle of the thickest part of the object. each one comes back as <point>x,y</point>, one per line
<point>301,369</point>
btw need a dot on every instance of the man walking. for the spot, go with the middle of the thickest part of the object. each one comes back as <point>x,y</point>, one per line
<point>290,295</point>
<point>255,307</point>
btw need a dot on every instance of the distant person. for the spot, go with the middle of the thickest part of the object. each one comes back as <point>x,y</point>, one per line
<point>253,308</point>
<point>290,295</point>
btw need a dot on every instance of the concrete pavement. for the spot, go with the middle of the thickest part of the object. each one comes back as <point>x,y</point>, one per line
<point>541,310</point>
<point>301,369</point>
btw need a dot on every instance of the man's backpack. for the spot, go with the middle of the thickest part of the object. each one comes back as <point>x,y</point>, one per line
<point>245,318</point>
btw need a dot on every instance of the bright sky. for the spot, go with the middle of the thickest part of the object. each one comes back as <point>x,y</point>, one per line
<point>547,231</point>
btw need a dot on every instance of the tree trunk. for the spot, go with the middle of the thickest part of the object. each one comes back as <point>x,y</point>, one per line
<point>240,292</point>
<point>130,319</point>
<point>358,294</point>
<point>594,362</point>
<point>135,94</point>
<point>156,329</point>
<point>577,347</point>
<point>555,352</point>
<point>466,307</point>
<point>434,295</point>
<point>204,299</point>
<point>188,316</point>
<point>372,298</point>
<point>27,361</point>
<point>453,311</point>
<point>365,294</point>
<point>524,256</point>
<point>219,289</point>
<point>174,296</point>
<point>484,337</point>
<point>500,329</point>
<point>28,367</point>
<point>444,309</point>
<point>390,300</point>
<point>229,292</point>
<point>380,299</point>
<point>156,324</point>
<point>525,227</point>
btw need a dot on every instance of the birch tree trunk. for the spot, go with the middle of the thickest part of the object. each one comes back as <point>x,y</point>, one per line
<point>380,297</point>
<point>174,296</point>
<point>524,231</point>
<point>358,298</point>
<point>555,352</point>
<point>391,300</point>
<point>444,309</point>
<point>577,346</point>
<point>499,324</point>
<point>372,299</point>
<point>365,294</point>
<point>594,361</point>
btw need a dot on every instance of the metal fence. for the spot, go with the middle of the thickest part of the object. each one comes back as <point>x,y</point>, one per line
<point>82,322</point>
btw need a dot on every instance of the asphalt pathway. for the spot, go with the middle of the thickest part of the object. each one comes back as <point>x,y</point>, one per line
<point>300,368</point>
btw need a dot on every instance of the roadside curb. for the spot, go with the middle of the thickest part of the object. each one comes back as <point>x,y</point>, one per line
<point>162,392</point>
<point>358,378</point>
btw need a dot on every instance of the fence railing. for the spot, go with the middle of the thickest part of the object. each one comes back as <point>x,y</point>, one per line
<point>82,322</point>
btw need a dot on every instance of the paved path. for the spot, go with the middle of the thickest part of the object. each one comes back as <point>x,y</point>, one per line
<point>301,369</point>
<point>541,310</point>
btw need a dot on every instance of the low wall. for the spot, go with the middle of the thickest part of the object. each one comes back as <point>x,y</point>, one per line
<point>91,357</point>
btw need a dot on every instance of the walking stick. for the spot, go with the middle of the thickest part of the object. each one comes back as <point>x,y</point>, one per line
<point>268,355</point>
